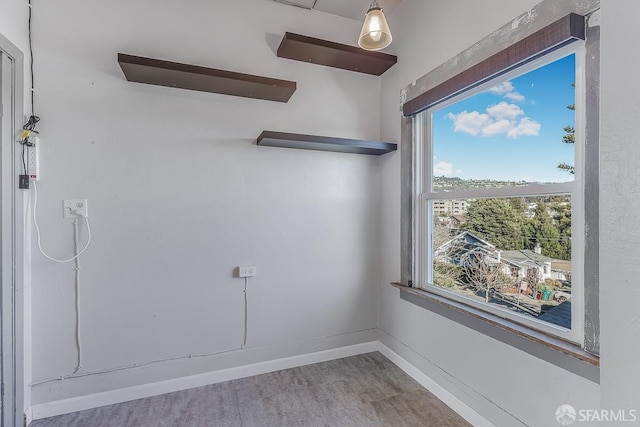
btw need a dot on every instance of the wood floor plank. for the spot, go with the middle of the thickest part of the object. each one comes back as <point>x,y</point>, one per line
<point>212,405</point>
<point>258,387</point>
<point>374,362</point>
<point>302,377</point>
<point>59,421</point>
<point>166,410</point>
<point>276,410</point>
<point>111,415</point>
<point>391,384</point>
<point>416,408</point>
<point>339,369</point>
<point>362,416</point>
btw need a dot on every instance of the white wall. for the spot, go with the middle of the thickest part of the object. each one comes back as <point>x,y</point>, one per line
<point>619,225</point>
<point>506,385</point>
<point>179,194</point>
<point>13,22</point>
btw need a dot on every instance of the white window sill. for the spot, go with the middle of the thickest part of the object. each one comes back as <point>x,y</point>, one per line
<point>539,344</point>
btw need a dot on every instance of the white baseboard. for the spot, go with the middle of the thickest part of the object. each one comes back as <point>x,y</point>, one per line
<point>28,415</point>
<point>436,389</point>
<point>60,407</point>
<point>80,403</point>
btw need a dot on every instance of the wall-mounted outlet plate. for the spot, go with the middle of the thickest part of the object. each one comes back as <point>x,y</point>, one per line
<point>246,270</point>
<point>75,208</point>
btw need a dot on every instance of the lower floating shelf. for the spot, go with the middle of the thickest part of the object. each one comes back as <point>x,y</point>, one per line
<point>324,143</point>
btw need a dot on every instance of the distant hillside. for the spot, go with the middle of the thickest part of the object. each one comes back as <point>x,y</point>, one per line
<point>443,183</point>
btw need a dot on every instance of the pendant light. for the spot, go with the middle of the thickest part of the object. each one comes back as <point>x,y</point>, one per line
<point>375,34</point>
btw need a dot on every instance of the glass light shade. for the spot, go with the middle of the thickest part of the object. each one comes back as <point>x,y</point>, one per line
<point>375,34</point>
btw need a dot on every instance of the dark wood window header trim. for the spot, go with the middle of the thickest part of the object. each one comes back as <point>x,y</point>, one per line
<point>547,347</point>
<point>563,31</point>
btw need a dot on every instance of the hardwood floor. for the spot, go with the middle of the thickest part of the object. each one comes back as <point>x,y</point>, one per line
<point>359,391</point>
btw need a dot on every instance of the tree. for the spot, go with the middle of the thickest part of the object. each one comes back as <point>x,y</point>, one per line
<point>547,234</point>
<point>496,221</point>
<point>483,272</point>
<point>533,278</point>
<point>561,214</point>
<point>569,138</point>
<point>441,232</point>
<point>446,275</point>
<point>517,203</point>
<point>570,132</point>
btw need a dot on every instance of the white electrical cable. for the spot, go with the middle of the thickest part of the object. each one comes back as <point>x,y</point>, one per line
<point>153,362</point>
<point>77,270</point>
<point>76,257</point>
<point>132,366</point>
<point>173,359</point>
<point>35,223</point>
<point>246,313</point>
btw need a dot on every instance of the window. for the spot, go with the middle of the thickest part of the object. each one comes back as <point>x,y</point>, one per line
<point>499,195</point>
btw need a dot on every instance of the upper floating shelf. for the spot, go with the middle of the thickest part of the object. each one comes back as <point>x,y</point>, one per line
<point>193,77</point>
<point>324,143</point>
<point>323,52</point>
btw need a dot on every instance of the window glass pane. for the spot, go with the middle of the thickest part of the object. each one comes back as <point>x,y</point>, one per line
<point>517,132</point>
<point>513,253</point>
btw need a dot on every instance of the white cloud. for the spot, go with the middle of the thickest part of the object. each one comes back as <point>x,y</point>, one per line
<point>471,123</point>
<point>502,89</point>
<point>500,119</point>
<point>526,126</point>
<point>502,110</point>
<point>507,90</point>
<point>515,97</point>
<point>496,128</point>
<point>445,169</point>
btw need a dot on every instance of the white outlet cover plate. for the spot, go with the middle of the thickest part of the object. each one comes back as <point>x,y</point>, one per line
<point>69,206</point>
<point>246,270</point>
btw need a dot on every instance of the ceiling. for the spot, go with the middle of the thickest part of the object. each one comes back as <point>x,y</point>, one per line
<point>353,9</point>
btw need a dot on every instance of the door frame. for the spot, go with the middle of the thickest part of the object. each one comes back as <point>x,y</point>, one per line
<point>13,232</point>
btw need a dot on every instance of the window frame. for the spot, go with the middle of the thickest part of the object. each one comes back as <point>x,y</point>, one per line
<point>549,26</point>
<point>425,196</point>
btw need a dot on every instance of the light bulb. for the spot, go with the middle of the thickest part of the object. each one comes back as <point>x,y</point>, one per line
<point>374,29</point>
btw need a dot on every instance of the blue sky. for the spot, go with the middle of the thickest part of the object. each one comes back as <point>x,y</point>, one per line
<point>512,131</point>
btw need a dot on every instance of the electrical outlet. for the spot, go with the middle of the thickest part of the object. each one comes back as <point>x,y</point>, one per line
<point>75,208</point>
<point>246,270</point>
<point>33,159</point>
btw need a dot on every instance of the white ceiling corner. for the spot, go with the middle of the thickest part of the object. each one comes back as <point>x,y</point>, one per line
<point>306,4</point>
<point>352,9</point>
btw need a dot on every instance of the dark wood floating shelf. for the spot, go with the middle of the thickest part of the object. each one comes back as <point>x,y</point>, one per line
<point>184,76</point>
<point>322,52</point>
<point>324,143</point>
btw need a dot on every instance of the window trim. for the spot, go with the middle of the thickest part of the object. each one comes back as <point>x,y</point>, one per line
<point>424,195</point>
<point>556,35</point>
<point>553,350</point>
<point>519,29</point>
<point>13,226</point>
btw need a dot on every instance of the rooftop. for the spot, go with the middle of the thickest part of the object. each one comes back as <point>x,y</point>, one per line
<point>559,315</point>
<point>525,258</point>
